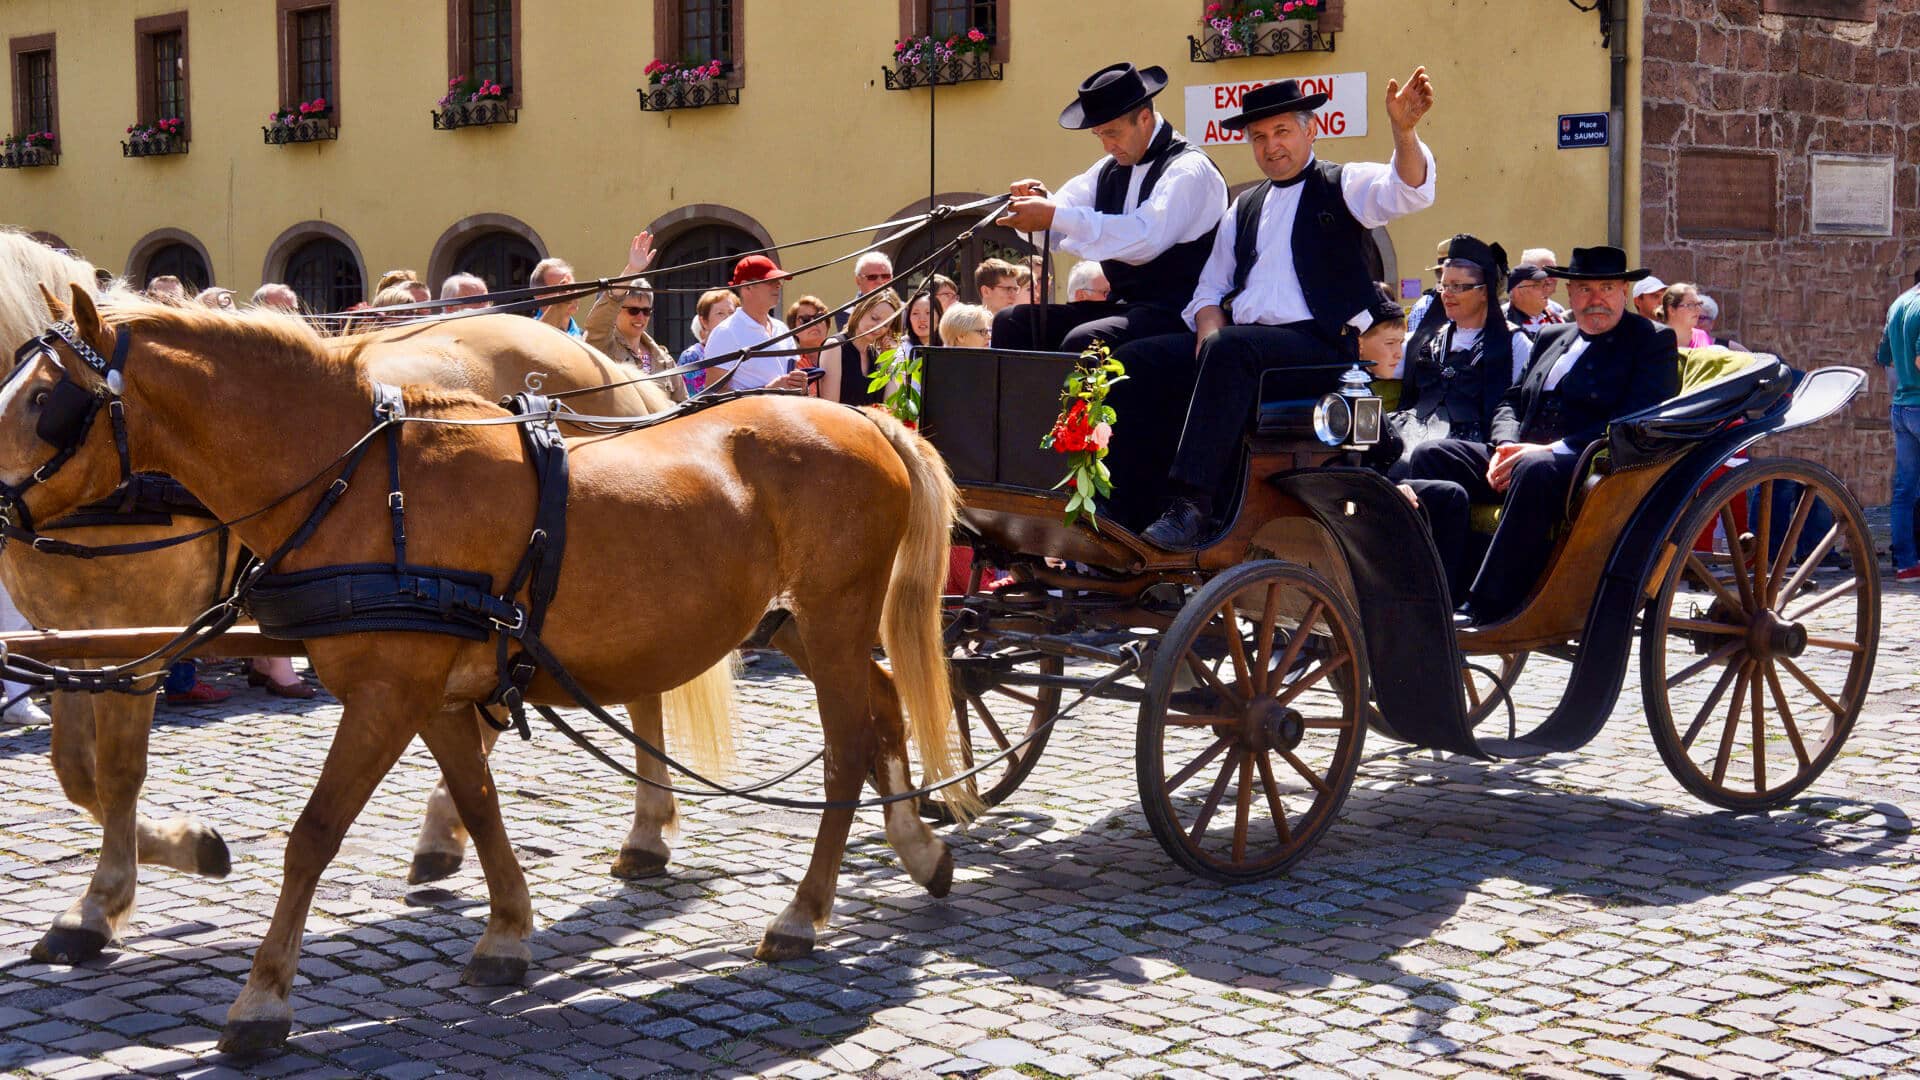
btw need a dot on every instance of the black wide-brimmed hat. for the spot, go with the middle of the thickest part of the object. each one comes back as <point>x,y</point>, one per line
<point>1271,100</point>
<point>1599,264</point>
<point>1111,93</point>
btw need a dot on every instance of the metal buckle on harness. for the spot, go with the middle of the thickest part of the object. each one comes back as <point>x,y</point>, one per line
<point>519,622</point>
<point>396,500</point>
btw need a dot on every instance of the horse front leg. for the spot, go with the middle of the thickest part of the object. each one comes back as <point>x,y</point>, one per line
<point>376,724</point>
<point>656,815</point>
<point>459,742</point>
<point>443,839</point>
<point>100,756</point>
<point>927,858</point>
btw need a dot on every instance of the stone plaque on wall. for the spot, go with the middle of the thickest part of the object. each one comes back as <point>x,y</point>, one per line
<point>1726,195</point>
<point>1850,10</point>
<point>1852,193</point>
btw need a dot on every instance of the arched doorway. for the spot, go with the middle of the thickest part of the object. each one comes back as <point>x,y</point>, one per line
<point>988,242</point>
<point>182,262</point>
<point>325,275</point>
<point>501,259</point>
<point>674,311</point>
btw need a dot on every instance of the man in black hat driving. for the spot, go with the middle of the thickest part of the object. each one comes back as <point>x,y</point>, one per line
<point>1146,211</point>
<point>1605,364</point>
<point>1289,281</point>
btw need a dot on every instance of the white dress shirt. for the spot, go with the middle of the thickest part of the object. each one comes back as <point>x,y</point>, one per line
<point>1187,200</point>
<point>1373,192</point>
<point>739,331</point>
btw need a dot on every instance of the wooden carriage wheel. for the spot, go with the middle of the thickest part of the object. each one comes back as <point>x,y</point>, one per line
<point>1241,774</point>
<point>1489,680</point>
<point>1758,645</point>
<point>992,715</point>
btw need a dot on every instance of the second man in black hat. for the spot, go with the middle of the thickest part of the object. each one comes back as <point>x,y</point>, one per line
<point>1146,211</point>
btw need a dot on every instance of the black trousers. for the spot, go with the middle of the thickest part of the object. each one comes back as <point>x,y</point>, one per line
<point>1072,327</point>
<point>1150,406</point>
<point>1534,503</point>
<point>1447,509</point>
<point>1226,393</point>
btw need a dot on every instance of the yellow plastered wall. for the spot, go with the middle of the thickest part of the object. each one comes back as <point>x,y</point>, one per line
<point>816,144</point>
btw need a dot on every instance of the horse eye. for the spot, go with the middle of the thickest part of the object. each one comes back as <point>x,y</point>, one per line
<point>40,398</point>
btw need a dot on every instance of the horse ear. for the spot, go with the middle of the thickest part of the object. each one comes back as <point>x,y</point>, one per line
<point>57,310</point>
<point>86,319</point>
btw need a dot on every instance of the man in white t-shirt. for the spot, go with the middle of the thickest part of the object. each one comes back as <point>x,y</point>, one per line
<point>756,280</point>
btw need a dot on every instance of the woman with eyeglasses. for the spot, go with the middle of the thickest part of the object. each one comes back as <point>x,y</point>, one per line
<point>617,322</point>
<point>810,332</point>
<point>1680,308</point>
<point>870,332</point>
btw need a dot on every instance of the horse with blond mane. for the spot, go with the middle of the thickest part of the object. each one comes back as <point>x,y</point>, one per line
<point>100,741</point>
<point>773,482</point>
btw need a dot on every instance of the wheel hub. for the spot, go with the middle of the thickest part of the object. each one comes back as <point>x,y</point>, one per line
<point>1771,636</point>
<point>1273,726</point>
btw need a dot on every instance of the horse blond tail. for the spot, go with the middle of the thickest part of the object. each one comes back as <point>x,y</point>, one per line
<point>698,717</point>
<point>910,628</point>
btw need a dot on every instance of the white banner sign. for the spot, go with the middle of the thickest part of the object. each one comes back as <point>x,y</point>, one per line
<point>1344,114</point>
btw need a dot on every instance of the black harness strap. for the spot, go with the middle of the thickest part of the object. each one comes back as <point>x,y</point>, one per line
<point>388,406</point>
<point>539,569</point>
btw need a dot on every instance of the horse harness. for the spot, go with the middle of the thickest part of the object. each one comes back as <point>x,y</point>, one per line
<point>68,416</point>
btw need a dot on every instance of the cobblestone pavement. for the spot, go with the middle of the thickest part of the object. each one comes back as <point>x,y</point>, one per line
<point>1575,915</point>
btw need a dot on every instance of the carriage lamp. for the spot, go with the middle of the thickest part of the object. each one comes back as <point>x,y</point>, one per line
<point>1327,419</point>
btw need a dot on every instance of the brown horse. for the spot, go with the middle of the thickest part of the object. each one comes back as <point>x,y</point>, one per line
<point>100,741</point>
<point>840,516</point>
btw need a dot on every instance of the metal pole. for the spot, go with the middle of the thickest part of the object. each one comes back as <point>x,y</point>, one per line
<point>1617,123</point>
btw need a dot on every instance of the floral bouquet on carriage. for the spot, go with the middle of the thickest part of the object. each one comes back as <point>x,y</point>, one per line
<point>1084,428</point>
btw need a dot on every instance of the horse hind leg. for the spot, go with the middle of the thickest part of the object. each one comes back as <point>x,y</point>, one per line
<point>459,744</point>
<point>656,814</point>
<point>442,845</point>
<point>927,858</point>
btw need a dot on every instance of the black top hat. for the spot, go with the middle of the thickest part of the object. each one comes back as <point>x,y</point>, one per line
<point>1271,100</point>
<point>1111,93</point>
<point>1598,264</point>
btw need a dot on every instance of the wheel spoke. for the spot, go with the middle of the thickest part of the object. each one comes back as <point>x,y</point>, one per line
<point>1199,720</point>
<point>1275,805</point>
<point>1269,615</point>
<point>1786,716</point>
<point>1852,584</point>
<point>1812,687</point>
<point>1784,557</point>
<point>1213,796</point>
<point>1299,642</point>
<point>1193,767</point>
<point>986,717</point>
<point>1761,563</point>
<point>1697,626</point>
<point>1237,648</point>
<point>1312,777</point>
<point>1759,737</point>
<point>1733,725</point>
<point>1243,807</point>
<point>1706,577</point>
<point>1832,643</point>
<point>1722,653</point>
<point>1700,718</point>
<point>1811,562</point>
<point>1306,681</point>
<point>1211,678</point>
<point>1473,691</point>
<point>1736,557</point>
<point>1032,701</point>
<point>966,733</point>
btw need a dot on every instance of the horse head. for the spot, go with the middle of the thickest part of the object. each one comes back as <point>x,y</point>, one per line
<point>61,384</point>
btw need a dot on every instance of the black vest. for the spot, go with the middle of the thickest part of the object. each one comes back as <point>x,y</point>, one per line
<point>1333,253</point>
<point>1440,381</point>
<point>1168,279</point>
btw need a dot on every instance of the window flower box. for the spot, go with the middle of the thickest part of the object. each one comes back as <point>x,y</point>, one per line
<point>682,86</point>
<point>472,102</point>
<point>927,61</point>
<point>1260,28</point>
<point>31,151</point>
<point>158,139</point>
<point>310,121</point>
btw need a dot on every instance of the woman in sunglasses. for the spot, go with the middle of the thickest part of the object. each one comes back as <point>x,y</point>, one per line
<point>617,323</point>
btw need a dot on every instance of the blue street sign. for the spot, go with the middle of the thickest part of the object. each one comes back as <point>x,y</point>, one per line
<point>1579,130</point>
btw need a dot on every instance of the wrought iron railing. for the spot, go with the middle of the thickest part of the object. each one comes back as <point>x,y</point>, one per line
<point>317,129</point>
<point>688,95</point>
<point>154,146</point>
<point>28,157</point>
<point>1273,39</point>
<point>475,114</point>
<point>972,67</point>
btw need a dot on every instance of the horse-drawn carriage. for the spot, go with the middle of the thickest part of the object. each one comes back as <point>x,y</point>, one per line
<point>1260,661</point>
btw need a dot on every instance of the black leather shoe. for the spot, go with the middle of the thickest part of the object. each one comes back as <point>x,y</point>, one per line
<point>1181,528</point>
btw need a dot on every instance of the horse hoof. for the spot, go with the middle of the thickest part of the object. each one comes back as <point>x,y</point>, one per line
<point>210,856</point>
<point>254,1036</point>
<point>494,971</point>
<point>942,882</point>
<point>433,866</point>
<point>69,945</point>
<point>634,864</point>
<point>777,946</point>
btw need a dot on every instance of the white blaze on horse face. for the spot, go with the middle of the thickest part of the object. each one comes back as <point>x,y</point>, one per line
<point>17,422</point>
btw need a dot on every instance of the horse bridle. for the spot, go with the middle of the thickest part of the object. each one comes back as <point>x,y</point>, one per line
<point>69,412</point>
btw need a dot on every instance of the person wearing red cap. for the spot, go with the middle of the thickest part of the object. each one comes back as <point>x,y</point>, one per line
<point>757,282</point>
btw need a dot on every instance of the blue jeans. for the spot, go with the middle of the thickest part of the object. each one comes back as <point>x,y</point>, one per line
<point>1906,482</point>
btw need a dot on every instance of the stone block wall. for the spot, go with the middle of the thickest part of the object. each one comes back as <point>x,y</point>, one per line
<point>1734,75</point>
